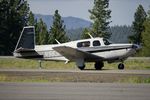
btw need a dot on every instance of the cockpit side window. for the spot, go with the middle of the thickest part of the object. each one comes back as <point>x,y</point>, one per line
<point>106,42</point>
<point>83,44</point>
<point>96,43</point>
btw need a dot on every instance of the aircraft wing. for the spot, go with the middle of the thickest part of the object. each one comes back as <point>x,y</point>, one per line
<point>73,54</point>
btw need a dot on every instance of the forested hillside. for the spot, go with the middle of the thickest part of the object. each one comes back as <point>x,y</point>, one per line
<point>119,34</point>
<point>75,27</point>
<point>74,34</point>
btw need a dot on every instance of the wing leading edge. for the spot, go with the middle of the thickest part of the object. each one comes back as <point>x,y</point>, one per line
<point>73,54</point>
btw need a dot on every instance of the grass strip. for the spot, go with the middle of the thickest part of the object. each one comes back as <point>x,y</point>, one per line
<point>79,78</point>
<point>12,63</point>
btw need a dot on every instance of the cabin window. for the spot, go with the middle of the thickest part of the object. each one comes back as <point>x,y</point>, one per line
<point>106,42</point>
<point>83,44</point>
<point>96,43</point>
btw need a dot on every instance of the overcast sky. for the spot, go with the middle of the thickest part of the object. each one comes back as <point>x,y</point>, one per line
<point>122,10</point>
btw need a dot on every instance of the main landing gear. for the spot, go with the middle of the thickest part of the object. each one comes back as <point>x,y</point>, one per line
<point>99,65</point>
<point>121,66</point>
<point>81,67</point>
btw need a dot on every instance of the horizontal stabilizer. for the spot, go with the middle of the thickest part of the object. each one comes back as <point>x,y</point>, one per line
<point>20,50</point>
<point>26,53</point>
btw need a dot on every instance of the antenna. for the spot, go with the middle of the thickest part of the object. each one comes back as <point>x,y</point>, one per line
<point>57,41</point>
<point>90,35</point>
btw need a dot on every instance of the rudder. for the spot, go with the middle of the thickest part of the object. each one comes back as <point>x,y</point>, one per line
<point>27,38</point>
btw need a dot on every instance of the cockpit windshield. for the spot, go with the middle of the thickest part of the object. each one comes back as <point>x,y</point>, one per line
<point>107,42</point>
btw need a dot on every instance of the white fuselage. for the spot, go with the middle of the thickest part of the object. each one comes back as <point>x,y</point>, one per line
<point>109,52</point>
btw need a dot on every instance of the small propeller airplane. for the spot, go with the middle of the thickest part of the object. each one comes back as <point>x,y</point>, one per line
<point>95,50</point>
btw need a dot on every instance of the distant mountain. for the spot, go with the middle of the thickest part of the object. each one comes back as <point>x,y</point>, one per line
<point>75,27</point>
<point>70,22</point>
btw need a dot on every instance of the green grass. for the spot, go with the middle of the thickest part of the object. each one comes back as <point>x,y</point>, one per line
<point>33,64</point>
<point>40,78</point>
<point>7,78</point>
<point>135,80</point>
<point>12,63</point>
<point>140,64</point>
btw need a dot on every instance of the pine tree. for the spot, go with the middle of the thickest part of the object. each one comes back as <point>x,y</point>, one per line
<point>138,27</point>
<point>41,33</point>
<point>13,17</point>
<point>42,36</point>
<point>84,34</point>
<point>100,14</point>
<point>146,37</point>
<point>57,30</point>
<point>31,20</point>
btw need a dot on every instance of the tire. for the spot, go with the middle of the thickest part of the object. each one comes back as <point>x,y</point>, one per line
<point>99,65</point>
<point>121,66</point>
<point>81,67</point>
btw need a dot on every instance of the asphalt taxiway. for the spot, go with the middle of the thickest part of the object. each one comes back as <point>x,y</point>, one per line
<point>74,91</point>
<point>76,85</point>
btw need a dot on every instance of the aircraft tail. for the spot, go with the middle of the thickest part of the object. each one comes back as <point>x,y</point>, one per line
<point>26,39</point>
<point>26,44</point>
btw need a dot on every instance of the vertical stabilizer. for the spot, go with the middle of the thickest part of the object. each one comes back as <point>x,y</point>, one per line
<point>26,39</point>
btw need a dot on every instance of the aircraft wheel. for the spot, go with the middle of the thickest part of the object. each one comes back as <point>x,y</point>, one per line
<point>121,66</point>
<point>81,67</point>
<point>99,65</point>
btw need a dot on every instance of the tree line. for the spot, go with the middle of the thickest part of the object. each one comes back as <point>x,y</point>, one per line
<point>15,14</point>
<point>43,36</point>
<point>141,29</point>
<point>13,17</point>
